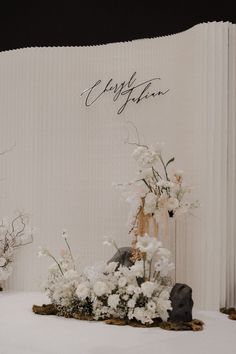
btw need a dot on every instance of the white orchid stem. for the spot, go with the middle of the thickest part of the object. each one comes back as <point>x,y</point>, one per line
<point>156,276</point>
<point>144,266</point>
<point>149,187</point>
<point>50,255</point>
<point>71,256</point>
<point>164,166</point>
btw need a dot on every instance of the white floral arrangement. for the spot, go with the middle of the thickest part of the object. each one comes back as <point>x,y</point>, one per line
<point>14,234</point>
<point>156,191</point>
<point>140,292</point>
<point>137,289</point>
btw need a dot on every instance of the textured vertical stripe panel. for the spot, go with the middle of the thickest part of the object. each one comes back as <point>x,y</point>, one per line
<point>66,156</point>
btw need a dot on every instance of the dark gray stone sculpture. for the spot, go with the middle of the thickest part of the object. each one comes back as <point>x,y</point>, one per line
<point>123,257</point>
<point>180,296</point>
<point>182,303</point>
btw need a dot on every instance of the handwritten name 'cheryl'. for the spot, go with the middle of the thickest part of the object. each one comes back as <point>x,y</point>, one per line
<point>130,90</point>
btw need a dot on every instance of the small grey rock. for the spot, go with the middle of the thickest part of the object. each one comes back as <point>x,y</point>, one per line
<point>182,303</point>
<point>123,257</point>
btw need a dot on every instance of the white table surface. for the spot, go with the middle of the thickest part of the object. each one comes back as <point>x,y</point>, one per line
<point>23,332</point>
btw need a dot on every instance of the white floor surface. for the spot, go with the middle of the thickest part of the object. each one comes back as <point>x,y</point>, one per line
<point>23,332</point>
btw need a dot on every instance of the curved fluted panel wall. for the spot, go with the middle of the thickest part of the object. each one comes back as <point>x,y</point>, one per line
<point>66,156</point>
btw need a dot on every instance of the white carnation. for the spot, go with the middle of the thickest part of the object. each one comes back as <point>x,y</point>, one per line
<point>137,290</point>
<point>151,306</point>
<point>113,300</point>
<point>142,315</point>
<point>125,297</point>
<point>130,289</point>
<point>131,303</point>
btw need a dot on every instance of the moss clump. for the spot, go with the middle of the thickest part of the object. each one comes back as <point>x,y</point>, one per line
<point>50,309</point>
<point>231,312</point>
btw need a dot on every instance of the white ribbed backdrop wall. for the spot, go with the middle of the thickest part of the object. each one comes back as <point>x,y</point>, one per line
<point>66,156</point>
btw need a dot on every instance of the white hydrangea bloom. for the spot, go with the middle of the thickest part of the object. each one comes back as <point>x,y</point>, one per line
<point>100,288</point>
<point>83,291</point>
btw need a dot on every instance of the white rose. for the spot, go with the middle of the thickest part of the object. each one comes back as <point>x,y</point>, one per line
<point>148,288</point>
<point>113,300</point>
<point>82,291</point>
<point>100,288</point>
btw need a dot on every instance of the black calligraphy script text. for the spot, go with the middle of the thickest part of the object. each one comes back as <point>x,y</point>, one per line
<point>130,90</point>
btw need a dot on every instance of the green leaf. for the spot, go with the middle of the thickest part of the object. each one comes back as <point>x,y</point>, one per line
<point>171,160</point>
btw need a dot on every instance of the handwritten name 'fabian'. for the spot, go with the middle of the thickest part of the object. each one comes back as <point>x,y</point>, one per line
<point>130,90</point>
